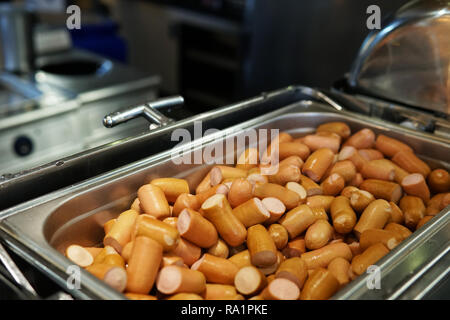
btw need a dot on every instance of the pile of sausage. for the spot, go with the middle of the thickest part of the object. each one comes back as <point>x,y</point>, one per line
<point>338,203</point>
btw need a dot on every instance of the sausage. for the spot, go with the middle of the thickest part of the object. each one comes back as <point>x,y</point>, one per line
<point>263,252</point>
<point>217,210</point>
<point>114,276</point>
<point>289,198</point>
<point>344,168</point>
<point>340,128</point>
<point>410,162</point>
<point>254,176</point>
<point>298,189</point>
<point>115,259</point>
<point>248,159</point>
<point>279,235</point>
<point>415,185</point>
<point>94,251</point>
<point>342,215</point>
<point>423,221</point>
<point>347,191</point>
<point>251,212</point>
<point>333,185</point>
<point>170,259</point>
<point>360,199</point>
<point>382,189</point>
<point>357,180</point>
<point>285,174</point>
<point>433,205</point>
<point>153,201</point>
<point>198,230</point>
<point>136,206</point>
<point>221,173</point>
<point>320,285</point>
<point>188,251</point>
<point>137,296</point>
<point>445,201</point>
<point>287,149</point>
<point>352,154</point>
<point>318,234</point>
<point>185,201</point>
<point>293,269</point>
<point>249,280</point>
<point>317,164</point>
<point>171,221</point>
<point>100,257</point>
<point>241,259</point>
<point>378,169</point>
<point>363,139</point>
<point>143,265</point>
<point>413,210</point>
<point>390,146</point>
<point>323,256</point>
<point>172,187</point>
<point>298,220</point>
<point>157,230</point>
<point>219,249</point>
<point>175,279</point>
<point>185,296</point>
<point>241,190</point>
<point>320,213</point>
<point>369,257</point>
<point>370,154</point>
<point>217,189</point>
<point>271,269</point>
<point>401,231</point>
<point>205,184</point>
<point>80,255</point>
<point>215,269</point>
<point>339,268</point>
<point>439,181</point>
<point>292,160</point>
<point>295,248</point>
<point>281,289</point>
<point>396,214</point>
<point>120,232</point>
<point>370,237</point>
<point>375,216</point>
<point>275,207</point>
<point>216,291</point>
<point>310,186</point>
<point>317,141</point>
<point>320,201</point>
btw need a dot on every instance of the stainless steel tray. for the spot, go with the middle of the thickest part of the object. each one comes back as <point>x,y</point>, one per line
<point>40,229</point>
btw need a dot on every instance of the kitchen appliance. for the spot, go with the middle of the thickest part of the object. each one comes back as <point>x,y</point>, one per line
<point>402,72</point>
<point>16,38</point>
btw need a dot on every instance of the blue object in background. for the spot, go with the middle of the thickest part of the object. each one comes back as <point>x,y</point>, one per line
<point>101,38</point>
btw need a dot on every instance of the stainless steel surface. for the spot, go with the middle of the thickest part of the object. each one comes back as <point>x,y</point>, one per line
<point>148,111</point>
<point>60,112</point>
<point>16,38</point>
<point>20,187</point>
<point>411,269</point>
<point>408,61</point>
<point>40,229</point>
<point>12,268</point>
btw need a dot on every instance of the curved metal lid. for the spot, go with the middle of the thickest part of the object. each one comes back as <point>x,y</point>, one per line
<point>408,61</point>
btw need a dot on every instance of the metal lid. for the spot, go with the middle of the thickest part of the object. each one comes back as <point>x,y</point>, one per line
<point>408,61</point>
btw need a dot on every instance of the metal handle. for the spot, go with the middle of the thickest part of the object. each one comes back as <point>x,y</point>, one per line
<point>14,271</point>
<point>147,110</point>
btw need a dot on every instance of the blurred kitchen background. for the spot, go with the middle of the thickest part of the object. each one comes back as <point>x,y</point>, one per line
<point>56,85</point>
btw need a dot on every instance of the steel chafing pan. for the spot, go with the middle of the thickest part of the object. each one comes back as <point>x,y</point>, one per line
<point>39,230</point>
